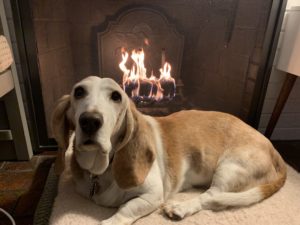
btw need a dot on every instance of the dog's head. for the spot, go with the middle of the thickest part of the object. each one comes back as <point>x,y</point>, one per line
<point>104,121</point>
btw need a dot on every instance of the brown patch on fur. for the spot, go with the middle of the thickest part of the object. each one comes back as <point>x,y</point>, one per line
<point>196,160</point>
<point>133,161</point>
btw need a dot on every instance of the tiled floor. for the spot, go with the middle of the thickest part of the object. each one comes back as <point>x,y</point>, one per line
<point>21,185</point>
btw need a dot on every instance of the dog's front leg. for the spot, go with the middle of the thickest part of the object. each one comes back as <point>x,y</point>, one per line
<point>135,209</point>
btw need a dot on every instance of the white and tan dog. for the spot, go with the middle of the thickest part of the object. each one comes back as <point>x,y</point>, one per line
<point>123,158</point>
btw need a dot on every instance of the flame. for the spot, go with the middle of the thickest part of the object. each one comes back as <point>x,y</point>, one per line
<point>165,72</point>
<point>135,80</point>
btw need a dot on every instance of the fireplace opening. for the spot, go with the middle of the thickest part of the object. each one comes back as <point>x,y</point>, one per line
<point>142,87</point>
<point>166,55</point>
<point>148,53</point>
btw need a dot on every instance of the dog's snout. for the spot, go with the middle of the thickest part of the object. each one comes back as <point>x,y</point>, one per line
<point>90,122</point>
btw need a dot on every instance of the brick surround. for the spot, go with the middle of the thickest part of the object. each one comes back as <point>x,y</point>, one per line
<point>221,57</point>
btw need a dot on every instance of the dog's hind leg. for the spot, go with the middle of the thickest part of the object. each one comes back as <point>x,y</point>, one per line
<point>230,177</point>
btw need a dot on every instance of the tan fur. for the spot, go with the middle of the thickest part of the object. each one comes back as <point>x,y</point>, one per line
<point>204,136</point>
<point>183,136</point>
<point>61,127</point>
<point>274,186</point>
<point>133,161</point>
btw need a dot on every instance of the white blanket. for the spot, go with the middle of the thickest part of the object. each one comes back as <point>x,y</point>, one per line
<point>283,208</point>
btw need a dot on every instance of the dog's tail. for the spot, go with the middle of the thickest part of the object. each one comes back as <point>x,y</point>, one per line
<point>253,195</point>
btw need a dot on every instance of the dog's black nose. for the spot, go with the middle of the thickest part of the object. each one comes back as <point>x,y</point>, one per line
<point>90,122</point>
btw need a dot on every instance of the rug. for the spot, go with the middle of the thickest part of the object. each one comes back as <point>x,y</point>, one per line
<point>44,207</point>
<point>283,208</point>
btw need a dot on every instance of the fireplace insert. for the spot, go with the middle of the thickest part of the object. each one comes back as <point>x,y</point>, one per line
<point>166,55</point>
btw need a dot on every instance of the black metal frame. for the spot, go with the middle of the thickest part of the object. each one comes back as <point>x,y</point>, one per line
<point>269,49</point>
<point>29,62</point>
<point>27,49</point>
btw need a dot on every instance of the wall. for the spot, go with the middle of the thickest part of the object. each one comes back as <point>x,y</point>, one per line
<point>54,51</point>
<point>222,49</point>
<point>288,126</point>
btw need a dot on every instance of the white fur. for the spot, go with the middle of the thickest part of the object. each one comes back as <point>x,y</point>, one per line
<point>161,158</point>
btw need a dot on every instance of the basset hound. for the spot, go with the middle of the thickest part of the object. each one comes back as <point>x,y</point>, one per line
<point>125,159</point>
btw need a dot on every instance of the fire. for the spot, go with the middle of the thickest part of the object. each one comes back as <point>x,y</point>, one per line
<point>138,85</point>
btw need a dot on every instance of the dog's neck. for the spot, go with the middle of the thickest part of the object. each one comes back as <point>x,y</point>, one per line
<point>98,183</point>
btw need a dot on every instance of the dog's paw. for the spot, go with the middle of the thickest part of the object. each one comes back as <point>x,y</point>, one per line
<point>176,210</point>
<point>106,222</point>
<point>115,221</point>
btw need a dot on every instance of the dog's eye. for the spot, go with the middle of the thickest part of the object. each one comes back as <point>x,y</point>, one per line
<point>116,96</point>
<point>79,92</point>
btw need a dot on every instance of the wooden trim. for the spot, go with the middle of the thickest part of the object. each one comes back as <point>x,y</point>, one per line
<point>283,96</point>
<point>6,82</point>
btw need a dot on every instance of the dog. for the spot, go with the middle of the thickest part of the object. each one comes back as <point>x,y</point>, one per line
<point>125,159</point>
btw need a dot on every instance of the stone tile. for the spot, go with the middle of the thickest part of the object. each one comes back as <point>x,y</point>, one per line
<point>234,66</point>
<point>58,35</point>
<point>98,10</point>
<point>28,201</point>
<point>47,68</point>
<point>59,10</point>
<point>243,41</point>
<point>8,200</point>
<point>256,55</point>
<point>78,10</point>
<point>20,166</point>
<point>51,35</point>
<point>253,71</point>
<point>2,165</point>
<point>80,33</point>
<point>41,9</point>
<point>40,28</point>
<point>14,181</point>
<point>248,14</point>
<point>49,9</point>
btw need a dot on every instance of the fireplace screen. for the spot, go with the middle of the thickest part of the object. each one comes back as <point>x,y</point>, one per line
<point>166,55</point>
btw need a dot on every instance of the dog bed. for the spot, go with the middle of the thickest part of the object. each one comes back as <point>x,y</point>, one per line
<point>280,209</point>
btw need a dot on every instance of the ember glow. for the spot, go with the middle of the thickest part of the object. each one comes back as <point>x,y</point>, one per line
<point>140,86</point>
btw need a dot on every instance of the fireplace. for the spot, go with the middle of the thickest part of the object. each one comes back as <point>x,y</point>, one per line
<point>167,55</point>
<point>144,56</point>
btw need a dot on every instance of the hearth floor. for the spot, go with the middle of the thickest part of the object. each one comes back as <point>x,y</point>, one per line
<point>22,183</point>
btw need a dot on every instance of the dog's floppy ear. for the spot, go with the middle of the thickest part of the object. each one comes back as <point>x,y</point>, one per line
<point>61,130</point>
<point>136,152</point>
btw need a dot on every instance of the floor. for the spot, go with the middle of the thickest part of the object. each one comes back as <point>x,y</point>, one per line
<point>21,183</point>
<point>290,151</point>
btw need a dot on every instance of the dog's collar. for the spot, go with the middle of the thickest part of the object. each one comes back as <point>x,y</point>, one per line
<point>95,187</point>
